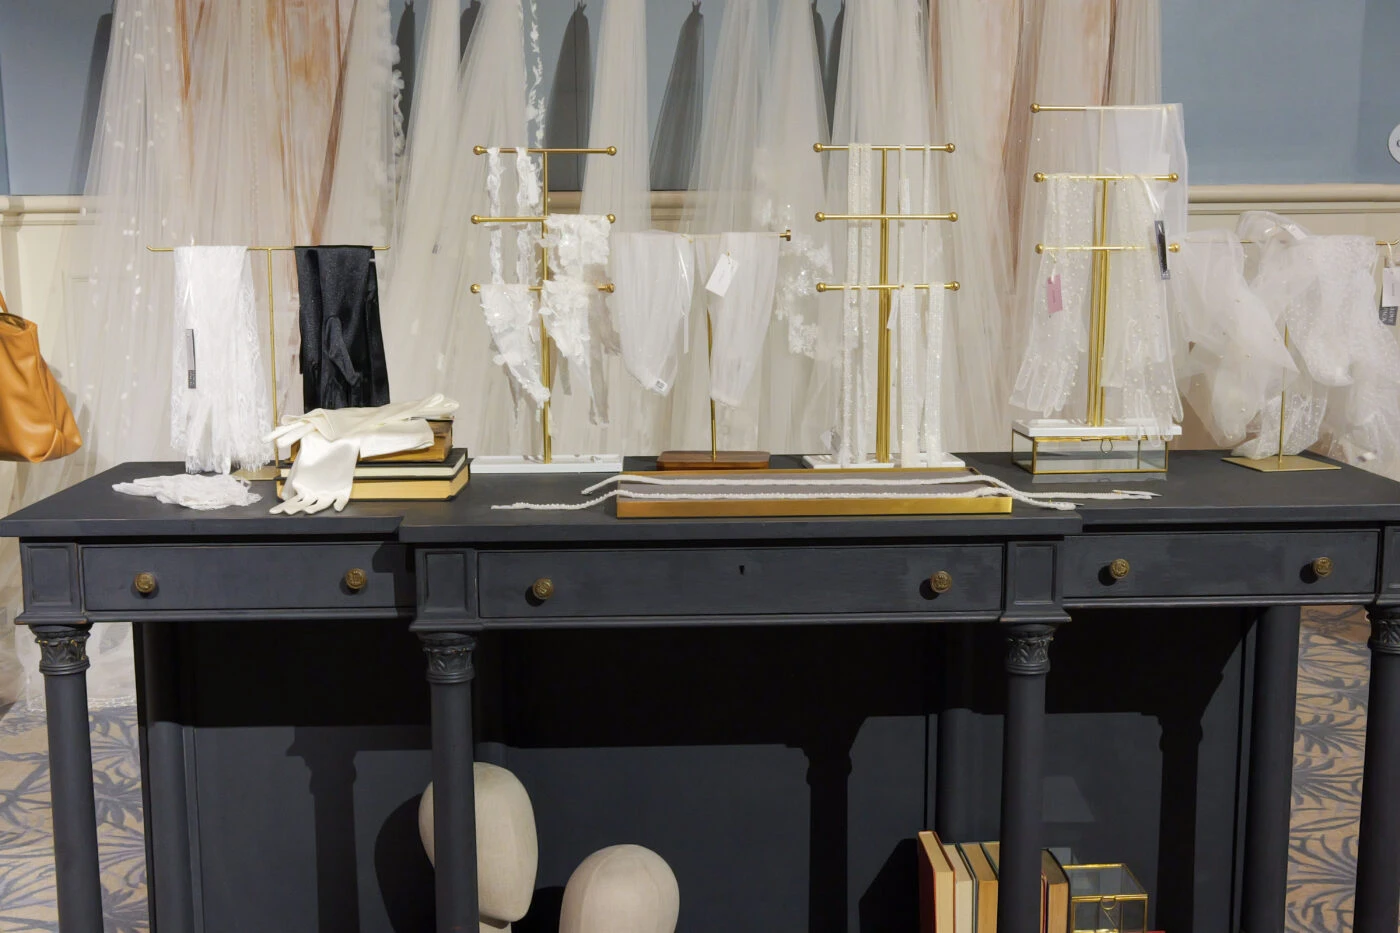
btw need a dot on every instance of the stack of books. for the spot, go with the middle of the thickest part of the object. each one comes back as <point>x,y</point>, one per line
<point>958,886</point>
<point>436,473</point>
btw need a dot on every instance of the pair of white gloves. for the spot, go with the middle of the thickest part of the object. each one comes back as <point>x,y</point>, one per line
<point>332,442</point>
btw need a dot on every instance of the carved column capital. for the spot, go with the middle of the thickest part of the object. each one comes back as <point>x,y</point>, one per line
<point>1385,629</point>
<point>1028,649</point>
<point>62,650</point>
<point>449,657</point>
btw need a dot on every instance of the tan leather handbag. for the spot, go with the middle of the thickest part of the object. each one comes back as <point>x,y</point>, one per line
<point>36,423</point>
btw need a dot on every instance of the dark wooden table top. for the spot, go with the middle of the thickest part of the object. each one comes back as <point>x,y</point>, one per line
<point>1200,490</point>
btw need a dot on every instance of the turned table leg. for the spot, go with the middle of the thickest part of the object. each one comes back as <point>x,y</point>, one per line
<point>450,675</point>
<point>1270,771</point>
<point>63,661</point>
<point>1023,753</point>
<point>1378,848</point>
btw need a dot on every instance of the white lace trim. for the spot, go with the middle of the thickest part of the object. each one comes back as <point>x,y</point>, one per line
<point>988,486</point>
<point>511,314</point>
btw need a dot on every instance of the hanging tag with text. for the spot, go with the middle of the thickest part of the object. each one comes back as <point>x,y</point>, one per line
<point>1162,249</point>
<point>1390,300</point>
<point>189,357</point>
<point>1054,295</point>
<point>723,275</point>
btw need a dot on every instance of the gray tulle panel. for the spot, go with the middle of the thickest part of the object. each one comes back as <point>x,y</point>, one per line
<point>469,16</point>
<point>570,103</point>
<point>831,69</point>
<point>682,109</point>
<point>406,38</point>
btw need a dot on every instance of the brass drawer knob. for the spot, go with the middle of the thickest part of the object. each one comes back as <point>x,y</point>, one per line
<point>941,582</point>
<point>542,589</point>
<point>1119,569</point>
<point>1322,567</point>
<point>356,580</point>
<point>145,583</point>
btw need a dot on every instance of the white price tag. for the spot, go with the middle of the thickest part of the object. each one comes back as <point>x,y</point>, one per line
<point>723,275</point>
<point>1390,286</point>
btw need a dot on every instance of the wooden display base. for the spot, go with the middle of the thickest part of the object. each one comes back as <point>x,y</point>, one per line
<point>829,494</point>
<point>706,460</point>
<point>1291,463</point>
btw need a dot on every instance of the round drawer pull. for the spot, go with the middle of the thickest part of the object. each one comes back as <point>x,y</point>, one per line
<point>941,582</point>
<point>1322,567</point>
<point>356,580</point>
<point>145,583</point>
<point>542,589</point>
<point>1119,569</point>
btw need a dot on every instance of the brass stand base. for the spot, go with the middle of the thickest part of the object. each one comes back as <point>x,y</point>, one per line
<point>1289,464</point>
<point>720,460</point>
<point>265,472</point>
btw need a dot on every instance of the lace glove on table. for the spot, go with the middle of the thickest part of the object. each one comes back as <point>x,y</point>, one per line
<point>192,491</point>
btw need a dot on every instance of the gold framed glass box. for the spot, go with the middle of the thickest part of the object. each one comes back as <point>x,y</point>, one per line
<point>1048,447</point>
<point>1106,899</point>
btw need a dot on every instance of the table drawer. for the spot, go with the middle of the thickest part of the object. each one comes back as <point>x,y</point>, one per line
<point>274,576</point>
<point>738,582</point>
<point>1223,564</point>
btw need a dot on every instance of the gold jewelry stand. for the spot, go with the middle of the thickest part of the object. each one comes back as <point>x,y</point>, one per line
<point>714,458</point>
<point>546,463</point>
<point>885,289</point>
<point>270,471</point>
<point>1057,447</point>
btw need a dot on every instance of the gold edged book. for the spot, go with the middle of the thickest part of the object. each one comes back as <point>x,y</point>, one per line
<point>442,446</point>
<point>437,453</point>
<point>379,470</point>
<point>391,489</point>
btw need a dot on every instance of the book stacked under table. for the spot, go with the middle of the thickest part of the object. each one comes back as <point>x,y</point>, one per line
<point>958,890</point>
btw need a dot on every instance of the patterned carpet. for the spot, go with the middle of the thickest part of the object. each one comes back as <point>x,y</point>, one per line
<point>1326,796</point>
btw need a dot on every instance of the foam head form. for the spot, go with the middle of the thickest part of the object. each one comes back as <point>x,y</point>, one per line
<point>507,849</point>
<point>621,889</point>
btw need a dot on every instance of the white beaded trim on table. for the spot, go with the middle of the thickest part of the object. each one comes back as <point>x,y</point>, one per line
<point>990,487</point>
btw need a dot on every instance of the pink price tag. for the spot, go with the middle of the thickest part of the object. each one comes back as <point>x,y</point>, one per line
<point>1054,297</point>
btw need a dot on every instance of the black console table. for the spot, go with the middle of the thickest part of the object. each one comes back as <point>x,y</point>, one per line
<point>1219,536</point>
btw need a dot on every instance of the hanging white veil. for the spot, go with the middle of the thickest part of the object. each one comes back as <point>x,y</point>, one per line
<point>883,98</point>
<point>417,305</point>
<point>790,183</point>
<point>357,204</point>
<point>977,46</point>
<point>120,320</point>
<point>722,190</point>
<point>619,185</point>
<point>1064,61</point>
<point>1135,72</point>
<point>258,139</point>
<point>682,108</point>
<point>491,94</point>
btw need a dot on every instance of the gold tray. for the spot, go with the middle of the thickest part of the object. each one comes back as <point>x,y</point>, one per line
<point>740,506</point>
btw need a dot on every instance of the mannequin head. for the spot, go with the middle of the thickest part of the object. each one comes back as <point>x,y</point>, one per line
<point>507,850</point>
<point>621,889</point>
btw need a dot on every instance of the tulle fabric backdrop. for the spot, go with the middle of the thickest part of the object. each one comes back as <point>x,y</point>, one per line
<point>279,123</point>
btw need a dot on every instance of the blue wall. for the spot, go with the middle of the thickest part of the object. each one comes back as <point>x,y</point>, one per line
<point>1285,90</point>
<point>1275,90</point>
